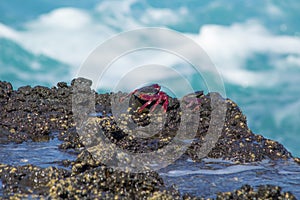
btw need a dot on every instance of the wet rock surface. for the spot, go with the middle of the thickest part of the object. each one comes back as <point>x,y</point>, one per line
<point>40,114</point>
<point>263,192</point>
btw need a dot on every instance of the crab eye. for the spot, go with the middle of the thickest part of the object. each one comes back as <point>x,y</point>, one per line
<point>156,86</point>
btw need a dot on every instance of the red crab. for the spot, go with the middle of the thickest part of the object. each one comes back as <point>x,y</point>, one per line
<point>193,100</point>
<point>151,94</point>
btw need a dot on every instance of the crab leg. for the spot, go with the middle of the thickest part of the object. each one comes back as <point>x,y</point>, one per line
<point>157,102</point>
<point>166,103</point>
<point>122,98</point>
<point>147,103</point>
<point>162,97</point>
<point>193,101</point>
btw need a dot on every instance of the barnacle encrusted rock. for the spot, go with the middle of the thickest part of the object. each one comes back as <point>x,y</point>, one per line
<point>35,113</point>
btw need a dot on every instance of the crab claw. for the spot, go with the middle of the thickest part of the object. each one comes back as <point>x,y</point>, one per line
<point>150,94</point>
<point>162,98</point>
<point>193,100</point>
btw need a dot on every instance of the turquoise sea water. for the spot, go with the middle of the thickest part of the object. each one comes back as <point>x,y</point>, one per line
<point>255,45</point>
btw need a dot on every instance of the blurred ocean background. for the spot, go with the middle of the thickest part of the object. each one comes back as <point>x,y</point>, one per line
<point>255,46</point>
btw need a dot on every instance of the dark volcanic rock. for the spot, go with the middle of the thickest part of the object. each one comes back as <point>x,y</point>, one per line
<point>29,179</point>
<point>106,183</point>
<point>37,113</point>
<point>237,142</point>
<point>5,92</point>
<point>100,182</point>
<point>34,113</point>
<point>263,192</point>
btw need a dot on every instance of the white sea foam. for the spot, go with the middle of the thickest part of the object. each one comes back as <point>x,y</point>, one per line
<point>217,160</point>
<point>228,170</point>
<point>273,10</point>
<point>146,70</point>
<point>285,172</point>
<point>164,16</point>
<point>231,46</point>
<point>7,32</point>
<point>70,34</point>
<point>53,34</point>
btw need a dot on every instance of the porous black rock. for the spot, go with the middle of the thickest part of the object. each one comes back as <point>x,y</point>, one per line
<point>36,113</point>
<point>262,192</point>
